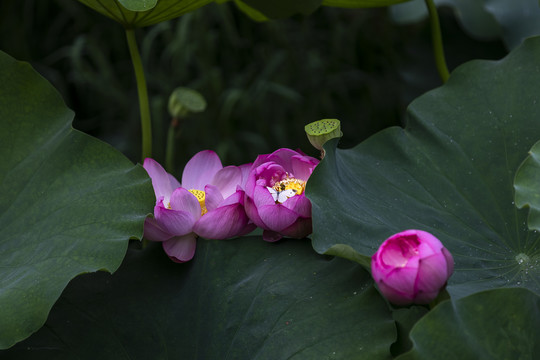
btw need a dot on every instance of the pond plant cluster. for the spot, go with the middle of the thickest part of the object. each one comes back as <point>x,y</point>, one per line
<point>420,242</point>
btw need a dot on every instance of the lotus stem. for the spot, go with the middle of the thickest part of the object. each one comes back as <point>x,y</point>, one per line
<point>144,108</point>
<point>436,38</point>
<point>170,148</point>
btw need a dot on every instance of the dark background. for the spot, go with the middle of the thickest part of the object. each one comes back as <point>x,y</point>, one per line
<point>262,81</point>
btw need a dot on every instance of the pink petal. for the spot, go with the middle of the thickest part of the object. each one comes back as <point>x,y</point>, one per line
<point>174,183</point>
<point>283,157</point>
<point>251,182</point>
<point>399,250</point>
<point>181,248</point>
<point>154,232</point>
<point>300,204</point>
<point>425,249</point>
<point>302,166</point>
<point>449,261</point>
<point>262,197</point>
<point>272,173</point>
<point>377,270</point>
<point>200,170</point>
<point>427,238</point>
<point>403,279</point>
<point>265,175</point>
<point>271,236</point>
<point>299,230</point>
<point>222,223</point>
<point>183,200</point>
<point>175,222</point>
<point>227,179</point>
<point>161,180</point>
<point>277,217</point>
<point>213,197</point>
<point>261,159</point>
<point>244,169</point>
<point>236,198</point>
<point>432,273</point>
<point>393,295</point>
<point>252,212</point>
<point>248,228</point>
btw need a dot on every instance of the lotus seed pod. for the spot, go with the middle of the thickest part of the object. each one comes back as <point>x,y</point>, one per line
<point>319,132</point>
<point>184,101</point>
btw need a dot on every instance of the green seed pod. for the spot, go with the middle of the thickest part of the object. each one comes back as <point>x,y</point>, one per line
<point>184,101</point>
<point>319,132</point>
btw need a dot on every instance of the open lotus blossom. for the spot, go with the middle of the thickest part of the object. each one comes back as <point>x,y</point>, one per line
<point>209,203</point>
<point>275,198</point>
<point>411,267</point>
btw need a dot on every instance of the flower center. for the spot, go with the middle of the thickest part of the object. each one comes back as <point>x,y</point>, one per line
<point>201,196</point>
<point>286,188</point>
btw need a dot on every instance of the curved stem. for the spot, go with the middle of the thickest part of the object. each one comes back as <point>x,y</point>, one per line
<point>437,41</point>
<point>169,153</point>
<point>144,107</point>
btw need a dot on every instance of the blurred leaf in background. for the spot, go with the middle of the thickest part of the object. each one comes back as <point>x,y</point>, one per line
<point>512,21</point>
<point>263,81</point>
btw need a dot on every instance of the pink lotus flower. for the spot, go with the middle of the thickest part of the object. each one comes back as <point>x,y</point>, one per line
<point>275,198</point>
<point>411,267</point>
<point>209,203</point>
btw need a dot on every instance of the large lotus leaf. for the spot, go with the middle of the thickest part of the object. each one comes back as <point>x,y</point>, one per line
<point>513,21</point>
<point>491,325</point>
<point>450,171</point>
<point>261,10</point>
<point>472,14</point>
<point>139,13</point>
<point>283,8</point>
<point>254,14</point>
<point>360,3</point>
<point>68,202</point>
<point>237,299</point>
<point>518,19</point>
<point>138,5</point>
<point>526,185</point>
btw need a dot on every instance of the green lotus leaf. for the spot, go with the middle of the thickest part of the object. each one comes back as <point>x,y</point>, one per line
<point>254,14</point>
<point>138,5</point>
<point>139,13</point>
<point>278,9</point>
<point>512,21</point>
<point>260,10</point>
<point>473,16</point>
<point>69,203</point>
<point>237,299</point>
<point>360,3</point>
<point>450,172</point>
<point>495,324</point>
<point>518,19</point>
<point>526,184</point>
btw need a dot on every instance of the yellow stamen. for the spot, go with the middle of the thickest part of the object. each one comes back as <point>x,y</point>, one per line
<point>201,196</point>
<point>290,183</point>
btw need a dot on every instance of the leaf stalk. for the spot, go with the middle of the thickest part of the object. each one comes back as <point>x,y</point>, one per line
<point>144,108</point>
<point>436,38</point>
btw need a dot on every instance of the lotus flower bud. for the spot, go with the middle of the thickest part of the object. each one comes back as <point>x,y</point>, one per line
<point>411,267</point>
<point>184,101</point>
<point>319,132</point>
